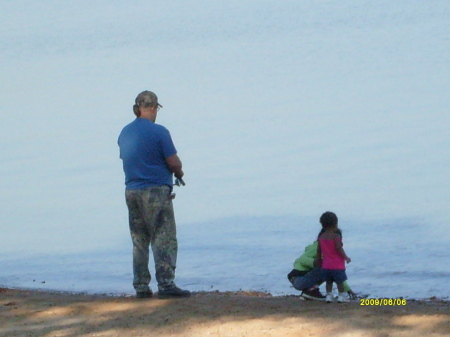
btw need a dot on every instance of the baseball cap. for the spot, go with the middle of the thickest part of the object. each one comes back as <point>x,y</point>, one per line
<point>147,98</point>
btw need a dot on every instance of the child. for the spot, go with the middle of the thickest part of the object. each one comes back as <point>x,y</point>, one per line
<point>333,256</point>
<point>307,278</point>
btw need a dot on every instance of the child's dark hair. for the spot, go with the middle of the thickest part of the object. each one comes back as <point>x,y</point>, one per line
<point>329,220</point>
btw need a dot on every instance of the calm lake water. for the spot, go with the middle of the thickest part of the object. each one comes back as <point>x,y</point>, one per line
<point>279,113</point>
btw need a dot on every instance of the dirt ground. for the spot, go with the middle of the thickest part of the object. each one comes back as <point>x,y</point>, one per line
<point>251,314</point>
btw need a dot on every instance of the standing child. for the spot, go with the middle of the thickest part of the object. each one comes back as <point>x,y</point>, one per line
<point>331,251</point>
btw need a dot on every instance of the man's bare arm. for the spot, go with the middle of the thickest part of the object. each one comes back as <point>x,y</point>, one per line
<point>175,165</point>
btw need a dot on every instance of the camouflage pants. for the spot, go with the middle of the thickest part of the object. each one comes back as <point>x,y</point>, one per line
<point>152,222</point>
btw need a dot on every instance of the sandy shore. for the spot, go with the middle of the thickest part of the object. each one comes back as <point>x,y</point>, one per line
<point>35,313</point>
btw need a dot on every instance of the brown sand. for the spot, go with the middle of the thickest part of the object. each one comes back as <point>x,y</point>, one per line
<point>252,314</point>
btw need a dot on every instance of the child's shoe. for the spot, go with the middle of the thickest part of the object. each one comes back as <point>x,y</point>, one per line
<point>329,298</point>
<point>343,298</point>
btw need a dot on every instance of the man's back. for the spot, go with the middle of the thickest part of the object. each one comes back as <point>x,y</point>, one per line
<point>144,147</point>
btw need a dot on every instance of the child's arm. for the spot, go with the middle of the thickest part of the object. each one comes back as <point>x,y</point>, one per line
<point>340,249</point>
<point>346,287</point>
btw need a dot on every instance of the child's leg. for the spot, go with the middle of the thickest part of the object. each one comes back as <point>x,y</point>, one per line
<point>329,287</point>
<point>340,287</point>
<point>343,296</point>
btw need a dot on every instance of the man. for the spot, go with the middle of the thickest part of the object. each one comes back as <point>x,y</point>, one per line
<point>149,161</point>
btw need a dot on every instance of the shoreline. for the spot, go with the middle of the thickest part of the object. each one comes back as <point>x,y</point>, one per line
<point>256,293</point>
<point>245,313</point>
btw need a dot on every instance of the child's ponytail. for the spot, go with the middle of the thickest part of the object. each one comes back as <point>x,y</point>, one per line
<point>321,232</point>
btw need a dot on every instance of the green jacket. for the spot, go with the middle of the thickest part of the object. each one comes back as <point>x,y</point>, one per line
<point>306,261</point>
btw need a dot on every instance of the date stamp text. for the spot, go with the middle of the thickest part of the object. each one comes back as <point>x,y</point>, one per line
<point>382,301</point>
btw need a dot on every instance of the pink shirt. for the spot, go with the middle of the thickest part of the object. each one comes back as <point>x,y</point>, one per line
<point>331,259</point>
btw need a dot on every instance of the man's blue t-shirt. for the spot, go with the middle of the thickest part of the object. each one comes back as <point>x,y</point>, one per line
<point>144,147</point>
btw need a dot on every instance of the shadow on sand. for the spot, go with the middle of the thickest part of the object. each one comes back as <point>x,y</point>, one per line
<point>34,313</point>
